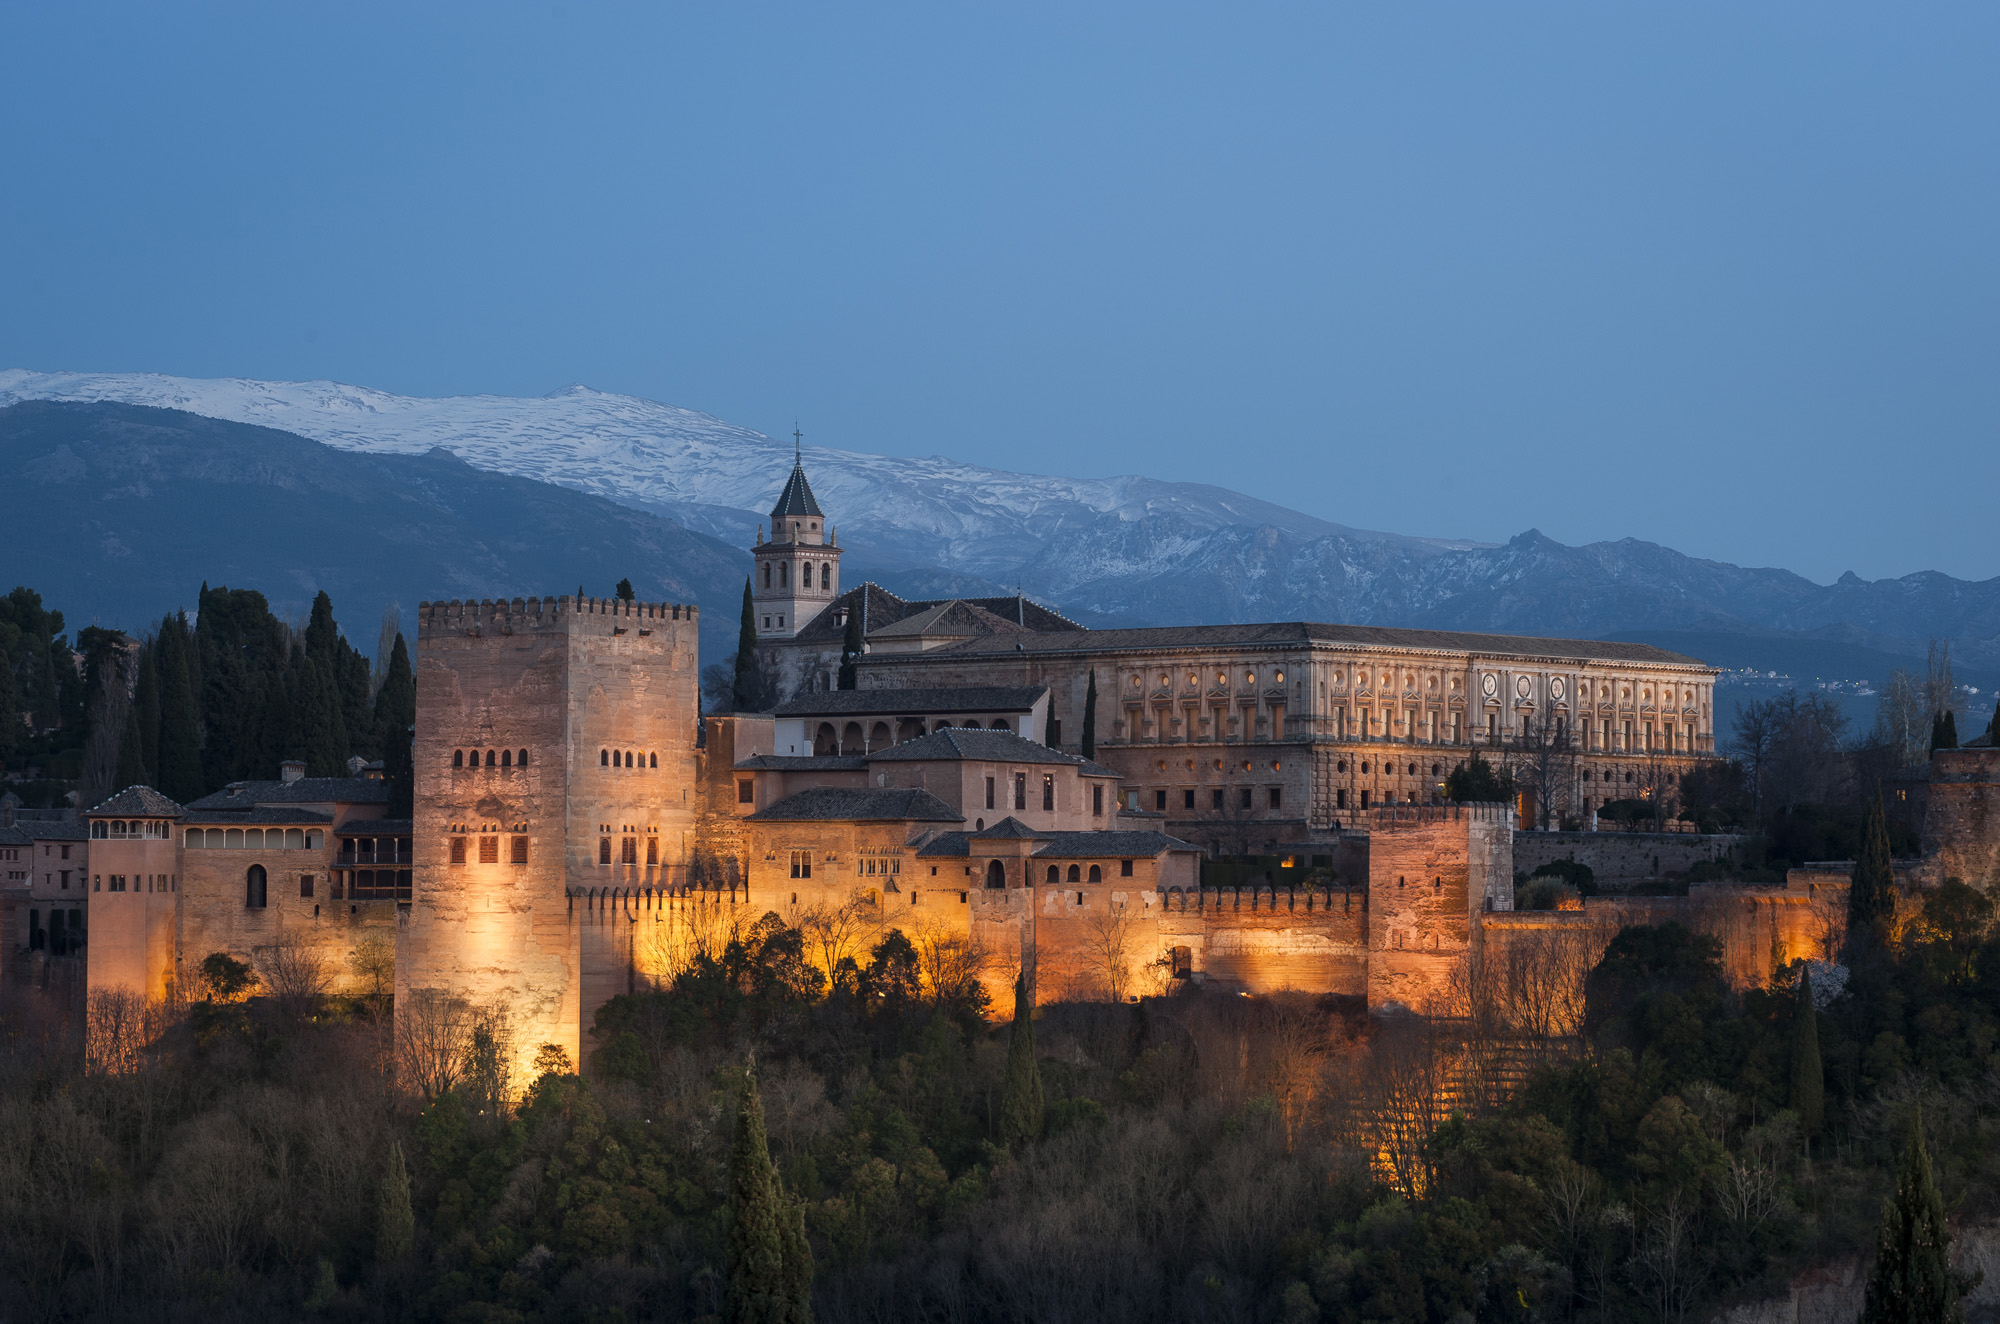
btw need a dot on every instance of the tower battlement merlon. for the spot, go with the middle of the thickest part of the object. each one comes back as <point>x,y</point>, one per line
<point>459,615</point>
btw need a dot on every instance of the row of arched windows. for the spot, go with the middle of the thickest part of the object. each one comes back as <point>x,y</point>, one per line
<point>1075,874</point>
<point>502,758</point>
<point>805,574</point>
<point>625,758</point>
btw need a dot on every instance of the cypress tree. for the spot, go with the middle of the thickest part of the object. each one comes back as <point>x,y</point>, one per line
<point>146,705</point>
<point>131,763</point>
<point>850,647</point>
<point>798,1264</point>
<point>395,1222</point>
<point>178,774</point>
<point>321,633</point>
<point>754,1256</point>
<point>1808,1076</point>
<point>1021,1093</point>
<point>1912,1281</point>
<point>357,714</point>
<point>1871,898</point>
<point>747,693</point>
<point>268,738</point>
<point>396,701</point>
<point>1049,726</point>
<point>1949,732</point>
<point>1090,718</point>
<point>624,591</point>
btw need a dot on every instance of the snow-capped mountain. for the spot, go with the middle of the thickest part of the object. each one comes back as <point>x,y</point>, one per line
<point>1128,549</point>
<point>894,512</point>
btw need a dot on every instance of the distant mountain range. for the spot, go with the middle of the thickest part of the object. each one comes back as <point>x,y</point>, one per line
<point>1120,550</point>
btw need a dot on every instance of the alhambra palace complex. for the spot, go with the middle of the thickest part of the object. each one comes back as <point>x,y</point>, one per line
<point>577,831</point>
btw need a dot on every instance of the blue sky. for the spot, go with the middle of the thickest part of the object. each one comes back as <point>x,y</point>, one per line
<point>1720,276</point>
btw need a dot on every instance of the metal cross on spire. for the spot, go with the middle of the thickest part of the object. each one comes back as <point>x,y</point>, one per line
<point>798,443</point>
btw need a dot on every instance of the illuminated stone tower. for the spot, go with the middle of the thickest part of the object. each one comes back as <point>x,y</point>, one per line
<point>798,568</point>
<point>554,756</point>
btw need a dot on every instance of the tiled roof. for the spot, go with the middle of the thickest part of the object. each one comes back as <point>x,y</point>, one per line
<point>947,844</point>
<point>797,498</point>
<point>255,817</point>
<point>376,827</point>
<point>1281,633</point>
<point>306,790</point>
<point>982,746</point>
<point>1009,828</point>
<point>137,802</point>
<point>15,836</point>
<point>880,609</point>
<point>1075,845</point>
<point>952,618</point>
<point>860,802</point>
<point>919,702</point>
<point>56,829</point>
<point>804,763</point>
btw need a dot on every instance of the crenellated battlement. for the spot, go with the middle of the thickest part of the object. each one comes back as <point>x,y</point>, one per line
<point>1393,818</point>
<point>459,615</point>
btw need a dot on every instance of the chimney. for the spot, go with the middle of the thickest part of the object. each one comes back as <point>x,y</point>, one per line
<point>292,770</point>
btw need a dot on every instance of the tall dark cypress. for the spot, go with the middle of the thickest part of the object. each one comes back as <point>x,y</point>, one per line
<point>1808,1074</point>
<point>1090,718</point>
<point>753,1289</point>
<point>322,731</point>
<point>131,770</point>
<point>322,635</point>
<point>1912,1282</point>
<point>178,775</point>
<point>1021,1091</point>
<point>850,647</point>
<point>146,706</point>
<point>747,693</point>
<point>395,718</point>
<point>1871,899</point>
<point>1950,732</point>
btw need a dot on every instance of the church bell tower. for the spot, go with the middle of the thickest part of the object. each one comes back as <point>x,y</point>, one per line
<point>798,567</point>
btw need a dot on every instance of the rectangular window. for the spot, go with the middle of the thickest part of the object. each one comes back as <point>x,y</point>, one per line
<point>1364,799</point>
<point>1020,790</point>
<point>628,850</point>
<point>489,850</point>
<point>1340,799</point>
<point>802,864</point>
<point>1215,799</point>
<point>604,850</point>
<point>1097,801</point>
<point>746,793</point>
<point>458,850</point>
<point>652,850</point>
<point>1187,798</point>
<point>517,850</point>
<point>1124,868</point>
<point>1277,797</point>
<point>1048,792</point>
<point>989,792</point>
<point>306,886</point>
<point>1243,797</point>
<point>1160,801</point>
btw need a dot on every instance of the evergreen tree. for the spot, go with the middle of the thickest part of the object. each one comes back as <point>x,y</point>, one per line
<point>1912,1282</point>
<point>396,701</point>
<point>1949,733</point>
<point>1871,898</point>
<point>178,774</point>
<point>268,737</point>
<point>10,704</point>
<point>624,591</point>
<point>131,769</point>
<point>748,691</point>
<point>1808,1076</point>
<point>1049,725</point>
<point>357,714</point>
<point>322,635</point>
<point>146,706</point>
<point>754,1256</point>
<point>321,731</point>
<point>1021,1092</point>
<point>1090,718</point>
<point>1993,728</point>
<point>798,1264</point>
<point>396,1224</point>
<point>850,647</point>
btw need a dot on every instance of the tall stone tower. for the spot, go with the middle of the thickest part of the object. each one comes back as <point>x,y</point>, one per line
<point>798,569</point>
<point>554,756</point>
<point>1432,869</point>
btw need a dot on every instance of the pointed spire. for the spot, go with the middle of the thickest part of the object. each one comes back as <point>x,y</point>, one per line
<point>798,446</point>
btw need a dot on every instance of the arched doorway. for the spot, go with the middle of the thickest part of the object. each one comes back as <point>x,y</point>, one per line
<point>996,874</point>
<point>825,740</point>
<point>850,739</point>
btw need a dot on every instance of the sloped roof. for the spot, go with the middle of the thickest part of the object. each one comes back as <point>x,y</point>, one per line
<point>137,802</point>
<point>797,498</point>
<point>860,802</point>
<point>256,817</point>
<point>982,746</point>
<point>804,763</point>
<point>376,827</point>
<point>306,790</point>
<point>1075,845</point>
<point>1009,828</point>
<point>916,702</point>
<point>948,618</point>
<point>881,609</point>
<point>1180,637</point>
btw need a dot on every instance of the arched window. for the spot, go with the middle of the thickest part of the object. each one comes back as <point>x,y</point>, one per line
<point>767,574</point>
<point>999,724</point>
<point>806,580</point>
<point>996,874</point>
<point>628,758</point>
<point>506,758</point>
<point>1096,874</point>
<point>254,887</point>
<point>1075,874</point>
<point>603,758</point>
<point>654,760</point>
<point>826,575</point>
<point>521,759</point>
<point>1055,874</point>
<point>458,758</point>
<point>784,569</point>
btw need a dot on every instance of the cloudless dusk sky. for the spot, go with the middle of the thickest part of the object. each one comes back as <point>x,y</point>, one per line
<point>1721,276</point>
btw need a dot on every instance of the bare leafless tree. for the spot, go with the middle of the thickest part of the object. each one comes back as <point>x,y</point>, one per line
<point>298,975</point>
<point>1544,765</point>
<point>1940,687</point>
<point>1902,726</point>
<point>1412,1067</point>
<point>433,1034</point>
<point>1110,943</point>
<point>1665,1264</point>
<point>836,931</point>
<point>947,960</point>
<point>374,962</point>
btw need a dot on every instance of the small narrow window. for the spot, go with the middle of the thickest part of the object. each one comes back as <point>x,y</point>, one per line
<point>1048,792</point>
<point>826,575</point>
<point>767,584</point>
<point>255,885</point>
<point>521,759</point>
<point>1187,798</point>
<point>458,850</point>
<point>1160,800</point>
<point>1020,790</point>
<point>746,793</point>
<point>1124,868</point>
<point>506,758</point>
<point>604,850</point>
<point>654,760</point>
<point>989,792</point>
<point>1277,797</point>
<point>489,758</point>
<point>1243,797</point>
<point>652,850</point>
<point>603,758</point>
<point>517,850</point>
<point>305,886</point>
<point>458,758</point>
<point>1097,801</point>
